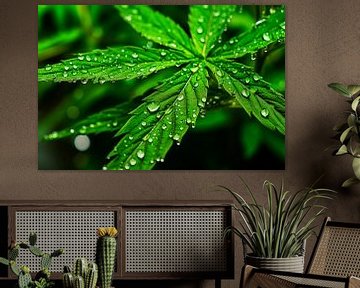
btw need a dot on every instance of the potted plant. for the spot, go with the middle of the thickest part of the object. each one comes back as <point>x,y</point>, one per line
<point>42,278</point>
<point>276,233</point>
<point>349,132</point>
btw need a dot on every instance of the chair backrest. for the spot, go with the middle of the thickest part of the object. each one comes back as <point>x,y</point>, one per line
<point>337,251</point>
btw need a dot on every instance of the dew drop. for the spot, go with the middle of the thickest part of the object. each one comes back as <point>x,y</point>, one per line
<point>72,131</point>
<point>65,74</point>
<point>219,73</point>
<point>202,40</point>
<point>132,162</point>
<point>203,99</point>
<point>181,97</point>
<point>245,93</point>
<point>135,55</point>
<point>140,154</point>
<point>256,77</point>
<point>84,81</point>
<point>264,112</point>
<point>48,68</point>
<point>247,80</point>
<point>231,41</point>
<point>194,69</point>
<point>153,107</point>
<point>66,68</point>
<point>164,126</point>
<point>266,36</point>
<point>163,53</point>
<point>143,123</point>
<point>282,25</point>
<point>201,19</point>
<point>150,140</point>
<point>216,13</point>
<point>173,45</point>
<point>199,30</point>
<point>196,84</point>
<point>88,58</point>
<point>127,167</point>
<point>80,57</point>
<point>104,168</point>
<point>101,81</point>
<point>152,69</point>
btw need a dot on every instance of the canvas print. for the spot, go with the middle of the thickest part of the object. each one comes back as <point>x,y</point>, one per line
<point>138,87</point>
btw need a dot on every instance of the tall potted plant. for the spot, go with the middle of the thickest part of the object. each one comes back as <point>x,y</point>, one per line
<point>274,235</point>
<point>349,132</point>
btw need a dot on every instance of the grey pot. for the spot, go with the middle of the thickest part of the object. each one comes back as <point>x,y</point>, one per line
<point>291,264</point>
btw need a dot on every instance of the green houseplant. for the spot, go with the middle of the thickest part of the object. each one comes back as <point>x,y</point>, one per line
<point>276,233</point>
<point>42,278</point>
<point>349,132</point>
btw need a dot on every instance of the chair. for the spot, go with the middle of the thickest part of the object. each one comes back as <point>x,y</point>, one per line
<point>335,262</point>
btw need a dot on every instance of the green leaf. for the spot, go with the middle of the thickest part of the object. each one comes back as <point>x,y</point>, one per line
<point>342,150</point>
<point>207,23</point>
<point>349,182</point>
<point>162,120</point>
<point>266,31</point>
<point>111,65</point>
<point>345,90</point>
<point>156,27</point>
<point>255,95</point>
<point>4,261</point>
<point>107,120</point>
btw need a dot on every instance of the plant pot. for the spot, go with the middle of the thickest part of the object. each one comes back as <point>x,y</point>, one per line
<point>291,264</point>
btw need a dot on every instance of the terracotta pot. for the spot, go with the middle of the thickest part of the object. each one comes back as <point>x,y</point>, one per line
<point>291,264</point>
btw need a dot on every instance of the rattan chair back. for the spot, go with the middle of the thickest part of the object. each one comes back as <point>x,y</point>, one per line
<point>337,252</point>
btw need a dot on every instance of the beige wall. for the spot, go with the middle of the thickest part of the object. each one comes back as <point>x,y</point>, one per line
<point>323,46</point>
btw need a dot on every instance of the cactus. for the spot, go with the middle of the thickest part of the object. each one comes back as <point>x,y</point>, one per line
<point>68,280</point>
<point>79,282</point>
<point>45,261</point>
<point>87,272</point>
<point>91,276</point>
<point>32,238</point>
<point>80,267</point>
<point>106,254</point>
<point>24,278</point>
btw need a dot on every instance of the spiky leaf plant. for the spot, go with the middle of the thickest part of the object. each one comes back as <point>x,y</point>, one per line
<point>210,74</point>
<point>279,229</point>
<point>349,132</point>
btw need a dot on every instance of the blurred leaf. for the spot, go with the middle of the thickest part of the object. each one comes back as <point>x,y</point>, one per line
<point>214,119</point>
<point>251,139</point>
<point>107,120</point>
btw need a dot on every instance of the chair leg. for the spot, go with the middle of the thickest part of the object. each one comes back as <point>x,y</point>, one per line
<point>246,274</point>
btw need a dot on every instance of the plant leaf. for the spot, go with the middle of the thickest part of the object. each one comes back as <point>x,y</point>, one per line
<point>107,120</point>
<point>345,90</point>
<point>257,97</point>
<point>207,23</point>
<point>163,119</point>
<point>111,64</point>
<point>267,31</point>
<point>349,182</point>
<point>156,27</point>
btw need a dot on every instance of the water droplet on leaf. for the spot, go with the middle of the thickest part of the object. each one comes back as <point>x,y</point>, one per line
<point>199,30</point>
<point>266,36</point>
<point>140,154</point>
<point>264,112</point>
<point>153,107</point>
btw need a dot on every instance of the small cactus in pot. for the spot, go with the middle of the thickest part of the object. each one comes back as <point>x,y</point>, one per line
<point>106,254</point>
<point>85,275</point>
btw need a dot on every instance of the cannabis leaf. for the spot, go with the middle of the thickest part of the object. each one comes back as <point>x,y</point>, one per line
<point>210,75</point>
